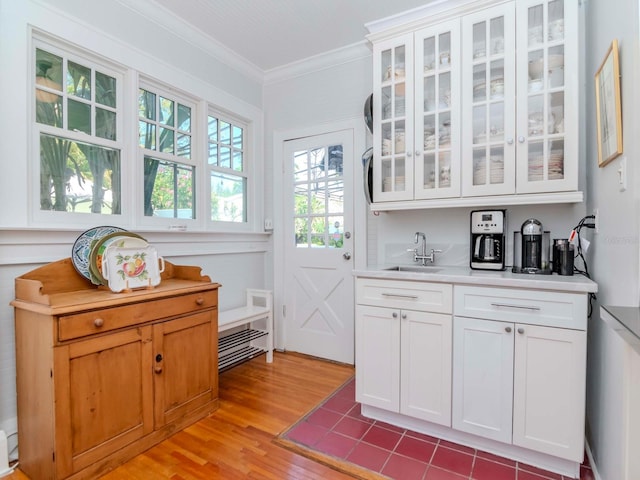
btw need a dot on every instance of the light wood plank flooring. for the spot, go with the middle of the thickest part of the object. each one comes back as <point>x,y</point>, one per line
<point>257,402</point>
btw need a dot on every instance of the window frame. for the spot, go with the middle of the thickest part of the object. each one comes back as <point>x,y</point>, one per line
<point>195,160</point>
<point>46,218</point>
<point>200,97</point>
<point>248,172</point>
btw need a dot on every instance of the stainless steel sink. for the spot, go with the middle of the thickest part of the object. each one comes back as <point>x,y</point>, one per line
<point>413,268</point>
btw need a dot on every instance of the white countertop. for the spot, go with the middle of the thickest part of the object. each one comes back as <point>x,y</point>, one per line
<point>466,276</point>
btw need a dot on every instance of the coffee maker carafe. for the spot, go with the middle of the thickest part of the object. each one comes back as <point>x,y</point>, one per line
<point>487,239</point>
<point>531,248</point>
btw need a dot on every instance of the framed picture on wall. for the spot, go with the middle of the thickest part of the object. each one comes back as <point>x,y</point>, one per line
<point>608,109</point>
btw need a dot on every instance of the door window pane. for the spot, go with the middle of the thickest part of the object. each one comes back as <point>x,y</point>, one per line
<point>318,197</point>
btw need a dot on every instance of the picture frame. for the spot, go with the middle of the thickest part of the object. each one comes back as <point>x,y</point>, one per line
<point>608,107</point>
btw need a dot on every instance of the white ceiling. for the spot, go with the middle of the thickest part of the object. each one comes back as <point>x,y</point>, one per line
<point>274,33</point>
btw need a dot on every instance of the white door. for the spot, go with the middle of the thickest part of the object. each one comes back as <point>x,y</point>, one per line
<point>318,245</point>
<point>483,377</point>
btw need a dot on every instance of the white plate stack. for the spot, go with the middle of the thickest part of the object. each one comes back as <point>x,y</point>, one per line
<point>556,165</point>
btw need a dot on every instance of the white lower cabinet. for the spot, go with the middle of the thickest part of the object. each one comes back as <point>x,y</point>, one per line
<point>483,378</point>
<point>403,356</point>
<point>519,382</point>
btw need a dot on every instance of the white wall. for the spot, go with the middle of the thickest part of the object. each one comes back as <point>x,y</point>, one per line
<point>113,30</point>
<point>615,247</point>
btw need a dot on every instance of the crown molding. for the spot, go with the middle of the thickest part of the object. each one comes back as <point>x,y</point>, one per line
<point>322,61</point>
<point>158,14</point>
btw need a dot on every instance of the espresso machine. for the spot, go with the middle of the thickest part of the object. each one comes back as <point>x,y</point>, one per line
<point>531,249</point>
<point>487,239</point>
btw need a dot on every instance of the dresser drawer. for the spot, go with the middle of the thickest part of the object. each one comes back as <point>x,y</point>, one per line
<point>422,296</point>
<point>98,321</point>
<point>553,309</point>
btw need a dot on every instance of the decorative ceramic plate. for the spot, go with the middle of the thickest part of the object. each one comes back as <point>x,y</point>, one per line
<point>122,239</point>
<point>126,268</point>
<point>82,247</point>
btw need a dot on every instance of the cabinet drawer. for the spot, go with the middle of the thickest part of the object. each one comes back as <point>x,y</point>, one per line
<point>98,321</point>
<point>423,296</point>
<point>553,309</point>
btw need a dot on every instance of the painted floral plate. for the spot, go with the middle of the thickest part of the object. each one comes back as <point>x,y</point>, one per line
<point>122,239</point>
<point>127,268</point>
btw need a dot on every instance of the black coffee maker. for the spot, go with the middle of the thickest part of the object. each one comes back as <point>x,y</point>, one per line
<point>531,249</point>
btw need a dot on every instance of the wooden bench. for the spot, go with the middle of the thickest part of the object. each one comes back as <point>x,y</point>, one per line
<point>248,330</point>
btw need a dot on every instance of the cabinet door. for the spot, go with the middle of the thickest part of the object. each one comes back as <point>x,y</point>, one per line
<point>393,119</point>
<point>488,96</point>
<point>549,390</point>
<point>425,383</point>
<point>185,362</point>
<point>378,357</point>
<point>104,397</point>
<point>437,111</point>
<point>483,377</point>
<point>548,85</point>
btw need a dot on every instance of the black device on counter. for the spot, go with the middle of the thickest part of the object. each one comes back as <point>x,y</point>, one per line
<point>487,239</point>
<point>531,248</point>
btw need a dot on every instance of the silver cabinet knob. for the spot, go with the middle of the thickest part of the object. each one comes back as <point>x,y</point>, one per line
<point>521,139</point>
<point>521,330</point>
<point>347,255</point>
<point>404,316</point>
<point>417,153</point>
<point>409,154</point>
<point>507,329</point>
<point>510,141</point>
<point>394,314</point>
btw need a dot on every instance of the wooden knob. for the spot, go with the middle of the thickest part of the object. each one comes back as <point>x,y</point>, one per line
<point>157,370</point>
<point>98,322</point>
<point>200,301</point>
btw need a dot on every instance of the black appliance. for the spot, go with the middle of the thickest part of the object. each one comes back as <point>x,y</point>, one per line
<point>487,239</point>
<point>531,248</point>
<point>367,164</point>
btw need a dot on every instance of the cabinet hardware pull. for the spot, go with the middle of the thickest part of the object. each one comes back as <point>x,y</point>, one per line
<point>394,315</point>
<point>200,301</point>
<point>404,316</point>
<point>507,329</point>
<point>157,370</point>
<point>521,330</point>
<point>509,305</point>
<point>399,295</point>
<point>98,322</point>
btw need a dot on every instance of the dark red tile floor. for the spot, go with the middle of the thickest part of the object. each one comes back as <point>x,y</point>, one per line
<point>338,429</point>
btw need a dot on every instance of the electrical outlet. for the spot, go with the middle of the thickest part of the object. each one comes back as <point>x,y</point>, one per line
<point>596,220</point>
<point>622,174</point>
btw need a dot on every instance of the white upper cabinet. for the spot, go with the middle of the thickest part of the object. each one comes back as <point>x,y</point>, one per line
<point>488,97</point>
<point>437,111</point>
<point>393,102</point>
<point>547,101</point>
<point>477,104</point>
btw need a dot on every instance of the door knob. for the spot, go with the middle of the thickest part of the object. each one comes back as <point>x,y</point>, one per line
<point>347,255</point>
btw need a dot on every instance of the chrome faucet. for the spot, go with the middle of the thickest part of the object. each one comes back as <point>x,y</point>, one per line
<point>422,256</point>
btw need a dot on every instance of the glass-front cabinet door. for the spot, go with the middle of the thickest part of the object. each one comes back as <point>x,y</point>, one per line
<point>488,102</point>
<point>547,73</point>
<point>437,111</point>
<point>393,119</point>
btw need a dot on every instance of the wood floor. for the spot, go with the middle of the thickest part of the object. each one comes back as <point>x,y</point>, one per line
<point>257,402</point>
